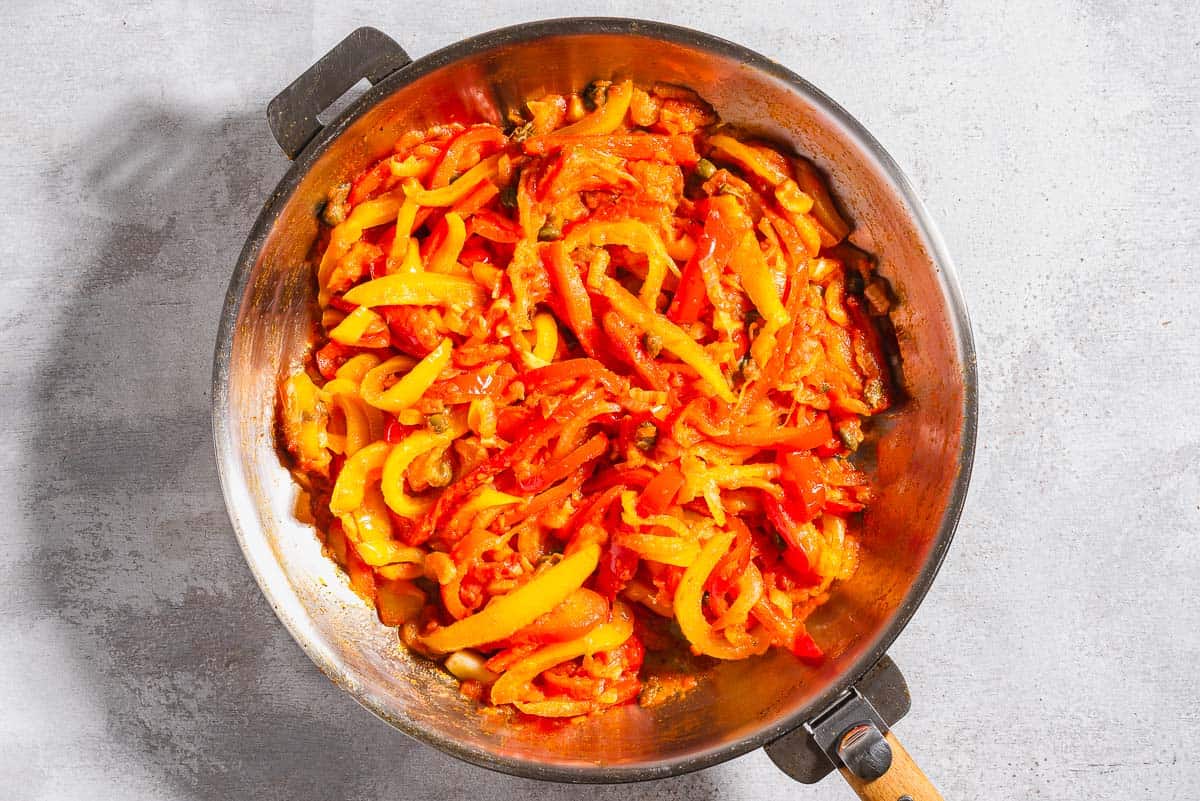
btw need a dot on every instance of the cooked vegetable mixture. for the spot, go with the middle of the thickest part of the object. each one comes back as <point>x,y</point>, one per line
<point>586,385</point>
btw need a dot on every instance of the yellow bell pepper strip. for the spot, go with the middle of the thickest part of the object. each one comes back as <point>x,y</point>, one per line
<point>605,119</point>
<point>351,329</point>
<point>351,484</point>
<point>751,267</point>
<point>666,550</point>
<point>445,257</point>
<point>358,425</point>
<point>405,219</point>
<point>689,612</point>
<point>411,167</point>
<point>372,546</point>
<point>371,521</point>
<point>412,258</point>
<point>371,389</point>
<point>671,149</point>
<point>456,191</point>
<point>403,455</point>
<point>636,236</point>
<point>398,601</point>
<point>833,226</point>
<point>750,590</point>
<point>510,613</point>
<point>356,367</point>
<point>338,386</point>
<point>792,198</point>
<point>607,636</point>
<point>487,498</point>
<point>672,337</point>
<point>409,389</point>
<point>545,336</point>
<point>749,158</point>
<point>389,552</point>
<point>419,289</point>
<point>400,570</point>
<point>305,422</point>
<point>365,215</point>
<point>555,708</point>
<point>465,147</point>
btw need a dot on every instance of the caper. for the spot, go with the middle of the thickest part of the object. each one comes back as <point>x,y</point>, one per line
<point>508,195</point>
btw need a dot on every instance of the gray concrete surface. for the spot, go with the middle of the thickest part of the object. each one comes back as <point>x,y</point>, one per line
<point>1056,144</point>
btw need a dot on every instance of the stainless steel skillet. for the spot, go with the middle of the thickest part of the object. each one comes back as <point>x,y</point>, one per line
<point>810,719</point>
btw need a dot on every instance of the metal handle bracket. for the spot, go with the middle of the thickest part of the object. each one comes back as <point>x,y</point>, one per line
<point>365,53</point>
<point>849,731</point>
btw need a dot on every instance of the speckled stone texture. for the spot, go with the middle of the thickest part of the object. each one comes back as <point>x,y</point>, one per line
<point>1055,144</point>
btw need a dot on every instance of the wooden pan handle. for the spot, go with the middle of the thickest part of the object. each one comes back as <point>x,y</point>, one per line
<point>903,781</point>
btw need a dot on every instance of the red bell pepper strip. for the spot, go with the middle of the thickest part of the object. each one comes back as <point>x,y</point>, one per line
<point>801,479</point>
<point>469,144</point>
<point>594,448</point>
<point>618,565</point>
<point>868,353</point>
<point>804,647</point>
<point>661,490</point>
<point>572,369</point>
<point>479,197</point>
<point>622,477</point>
<point>573,294</point>
<point>677,149</point>
<point>725,223</point>
<point>795,557</point>
<point>842,507</point>
<point>395,431</point>
<point>730,567</point>
<point>490,225</point>
<point>691,298</point>
<point>592,511</point>
<point>806,437</point>
<point>369,183</point>
<point>629,346</point>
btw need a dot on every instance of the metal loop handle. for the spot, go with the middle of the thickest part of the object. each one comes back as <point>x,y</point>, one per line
<point>865,752</point>
<point>365,53</point>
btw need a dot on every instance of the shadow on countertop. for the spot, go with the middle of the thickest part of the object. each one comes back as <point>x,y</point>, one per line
<point>141,572</point>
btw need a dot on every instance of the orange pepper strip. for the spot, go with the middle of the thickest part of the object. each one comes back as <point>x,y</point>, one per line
<point>834,227</point>
<point>749,158</point>
<point>576,303</point>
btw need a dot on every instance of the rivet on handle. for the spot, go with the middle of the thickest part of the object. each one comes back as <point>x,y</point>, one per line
<point>865,752</point>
